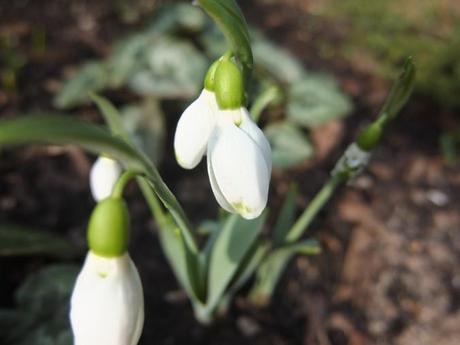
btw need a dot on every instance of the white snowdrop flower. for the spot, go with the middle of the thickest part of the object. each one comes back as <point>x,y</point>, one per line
<point>103,177</point>
<point>239,163</point>
<point>238,154</point>
<point>107,305</point>
<point>193,130</point>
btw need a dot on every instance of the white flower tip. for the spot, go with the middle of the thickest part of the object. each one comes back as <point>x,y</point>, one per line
<point>186,164</point>
<point>246,212</point>
<point>103,177</point>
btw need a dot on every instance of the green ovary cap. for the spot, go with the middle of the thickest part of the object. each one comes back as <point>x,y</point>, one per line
<point>108,228</point>
<point>229,85</point>
<point>210,76</point>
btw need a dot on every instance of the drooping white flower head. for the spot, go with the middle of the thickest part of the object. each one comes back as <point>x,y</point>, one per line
<point>239,164</point>
<point>193,130</point>
<point>107,305</point>
<point>103,177</point>
<point>238,154</point>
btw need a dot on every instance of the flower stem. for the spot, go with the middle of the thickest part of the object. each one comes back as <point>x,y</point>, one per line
<point>123,181</point>
<point>315,206</point>
<point>263,100</point>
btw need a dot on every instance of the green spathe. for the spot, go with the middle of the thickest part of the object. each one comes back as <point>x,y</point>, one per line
<point>108,228</point>
<point>370,137</point>
<point>228,85</point>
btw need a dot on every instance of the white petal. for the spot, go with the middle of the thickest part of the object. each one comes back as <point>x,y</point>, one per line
<point>103,177</point>
<point>193,130</point>
<point>107,305</point>
<point>256,134</point>
<point>214,186</point>
<point>240,170</point>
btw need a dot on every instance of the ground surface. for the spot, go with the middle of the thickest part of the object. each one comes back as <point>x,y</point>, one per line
<point>389,273</point>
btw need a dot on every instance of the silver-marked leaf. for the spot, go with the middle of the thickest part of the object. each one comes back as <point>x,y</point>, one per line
<point>280,63</point>
<point>41,317</point>
<point>290,145</point>
<point>178,17</point>
<point>315,100</point>
<point>175,70</point>
<point>92,77</point>
<point>146,126</point>
<point>127,58</point>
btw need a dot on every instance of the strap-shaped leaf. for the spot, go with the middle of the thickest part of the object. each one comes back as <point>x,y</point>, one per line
<point>270,271</point>
<point>64,130</point>
<point>183,259</point>
<point>230,20</point>
<point>20,240</point>
<point>111,116</point>
<point>286,217</point>
<point>229,251</point>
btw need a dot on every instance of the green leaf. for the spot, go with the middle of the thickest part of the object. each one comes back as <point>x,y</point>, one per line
<point>228,253</point>
<point>92,77</point>
<point>178,17</point>
<point>174,70</point>
<point>127,58</point>
<point>401,91</point>
<point>278,62</point>
<point>290,145</point>
<point>315,100</point>
<point>146,126</point>
<point>450,147</point>
<point>19,240</point>
<point>286,217</point>
<point>214,42</point>
<point>305,247</point>
<point>41,317</point>
<point>397,99</point>
<point>63,130</point>
<point>267,96</point>
<point>172,245</point>
<point>182,255</point>
<point>272,267</point>
<point>111,116</point>
<point>230,20</point>
<point>47,289</point>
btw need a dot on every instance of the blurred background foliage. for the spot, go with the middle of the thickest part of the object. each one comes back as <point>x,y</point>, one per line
<point>378,35</point>
<point>167,61</point>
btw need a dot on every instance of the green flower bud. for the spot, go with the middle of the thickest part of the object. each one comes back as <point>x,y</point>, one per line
<point>108,228</point>
<point>229,85</point>
<point>370,136</point>
<point>210,76</point>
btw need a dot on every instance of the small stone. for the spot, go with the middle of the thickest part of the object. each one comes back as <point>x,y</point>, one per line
<point>248,326</point>
<point>437,197</point>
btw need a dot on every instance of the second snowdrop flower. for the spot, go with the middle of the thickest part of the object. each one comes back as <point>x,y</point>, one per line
<point>104,175</point>
<point>107,305</point>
